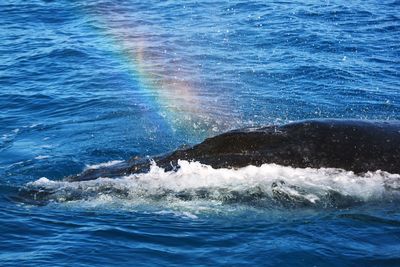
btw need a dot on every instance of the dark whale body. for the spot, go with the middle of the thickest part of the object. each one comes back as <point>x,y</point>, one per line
<point>353,145</point>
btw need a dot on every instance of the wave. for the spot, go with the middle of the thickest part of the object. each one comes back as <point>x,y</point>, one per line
<point>267,186</point>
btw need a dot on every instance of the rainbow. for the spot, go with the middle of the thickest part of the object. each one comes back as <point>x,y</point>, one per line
<point>158,74</point>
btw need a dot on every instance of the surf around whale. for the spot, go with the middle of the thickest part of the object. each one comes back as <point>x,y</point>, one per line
<point>353,145</point>
<point>314,163</point>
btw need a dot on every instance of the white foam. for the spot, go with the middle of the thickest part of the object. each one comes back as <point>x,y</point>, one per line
<point>104,164</point>
<point>42,181</point>
<point>199,187</point>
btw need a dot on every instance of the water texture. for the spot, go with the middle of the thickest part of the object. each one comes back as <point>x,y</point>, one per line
<point>87,84</point>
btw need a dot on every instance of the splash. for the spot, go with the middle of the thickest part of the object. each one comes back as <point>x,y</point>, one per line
<point>195,187</point>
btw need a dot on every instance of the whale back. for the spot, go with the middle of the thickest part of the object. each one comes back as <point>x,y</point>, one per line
<point>359,146</point>
<point>353,145</point>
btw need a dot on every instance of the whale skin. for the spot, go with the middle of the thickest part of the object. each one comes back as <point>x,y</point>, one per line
<point>354,145</point>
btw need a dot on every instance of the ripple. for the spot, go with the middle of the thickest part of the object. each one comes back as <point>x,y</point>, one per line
<point>250,63</point>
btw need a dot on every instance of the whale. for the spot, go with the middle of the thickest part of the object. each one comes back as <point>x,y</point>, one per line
<point>352,145</point>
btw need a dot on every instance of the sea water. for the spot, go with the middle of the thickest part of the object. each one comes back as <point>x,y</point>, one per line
<point>90,84</point>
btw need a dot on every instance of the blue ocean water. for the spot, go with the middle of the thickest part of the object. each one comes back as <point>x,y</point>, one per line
<point>90,82</point>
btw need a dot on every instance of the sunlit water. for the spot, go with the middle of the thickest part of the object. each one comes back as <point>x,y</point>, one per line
<point>88,84</point>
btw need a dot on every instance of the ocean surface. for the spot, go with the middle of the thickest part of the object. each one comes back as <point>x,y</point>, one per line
<point>87,84</point>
